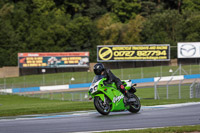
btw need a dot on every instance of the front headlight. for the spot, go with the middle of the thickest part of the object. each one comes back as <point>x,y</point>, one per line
<point>91,90</point>
<point>94,89</point>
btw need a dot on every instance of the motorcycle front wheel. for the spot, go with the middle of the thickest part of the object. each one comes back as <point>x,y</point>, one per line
<point>101,106</point>
<point>135,106</point>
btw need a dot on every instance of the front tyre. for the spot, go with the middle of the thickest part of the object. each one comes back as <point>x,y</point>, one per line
<point>101,107</point>
<point>135,106</point>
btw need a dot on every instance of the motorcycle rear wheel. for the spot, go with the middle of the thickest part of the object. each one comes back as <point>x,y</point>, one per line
<point>135,107</point>
<point>101,107</point>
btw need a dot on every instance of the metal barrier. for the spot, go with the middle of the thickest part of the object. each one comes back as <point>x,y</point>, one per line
<point>195,89</point>
<point>177,90</point>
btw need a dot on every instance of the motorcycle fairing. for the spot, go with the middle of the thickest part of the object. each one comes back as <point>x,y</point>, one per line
<point>112,93</point>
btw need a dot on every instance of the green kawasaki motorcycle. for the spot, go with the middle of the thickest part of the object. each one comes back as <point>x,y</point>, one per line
<point>108,99</point>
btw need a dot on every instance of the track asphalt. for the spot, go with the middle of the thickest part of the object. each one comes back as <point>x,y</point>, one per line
<point>88,121</point>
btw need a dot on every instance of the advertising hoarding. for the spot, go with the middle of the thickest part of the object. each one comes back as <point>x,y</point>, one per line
<point>53,59</point>
<point>188,50</point>
<point>117,53</point>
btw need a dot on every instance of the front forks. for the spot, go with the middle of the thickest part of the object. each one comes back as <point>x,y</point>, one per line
<point>104,102</point>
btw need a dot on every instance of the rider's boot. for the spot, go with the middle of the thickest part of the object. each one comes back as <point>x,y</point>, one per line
<point>128,98</point>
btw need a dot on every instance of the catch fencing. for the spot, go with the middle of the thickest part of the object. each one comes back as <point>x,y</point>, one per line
<point>86,77</point>
<point>166,90</point>
<point>195,89</point>
<point>179,89</point>
<point>182,89</point>
<point>65,96</point>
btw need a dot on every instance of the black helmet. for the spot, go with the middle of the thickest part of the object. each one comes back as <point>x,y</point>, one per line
<point>99,68</point>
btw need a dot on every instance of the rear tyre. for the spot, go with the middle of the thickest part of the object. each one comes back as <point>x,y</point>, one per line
<point>101,107</point>
<point>135,106</point>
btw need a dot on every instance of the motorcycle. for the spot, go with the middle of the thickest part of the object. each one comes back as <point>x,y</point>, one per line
<point>107,98</point>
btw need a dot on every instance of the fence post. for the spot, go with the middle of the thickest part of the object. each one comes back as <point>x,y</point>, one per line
<point>41,95</point>
<point>199,67</point>
<point>155,88</point>
<point>191,89</point>
<point>179,89</point>
<point>198,91</point>
<point>142,74</point>
<point>122,76</point>
<point>167,95</point>
<point>51,96</point>
<point>191,92</point>
<point>87,76</point>
<point>24,82</point>
<point>63,78</point>
<point>196,86</point>
<point>155,91</point>
<point>62,95</point>
<point>72,96</point>
<point>43,78</point>
<point>81,97</point>
<point>4,83</point>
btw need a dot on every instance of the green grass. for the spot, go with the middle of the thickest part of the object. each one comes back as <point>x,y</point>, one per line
<point>11,105</point>
<point>19,105</point>
<point>182,129</point>
<point>68,96</point>
<point>86,77</point>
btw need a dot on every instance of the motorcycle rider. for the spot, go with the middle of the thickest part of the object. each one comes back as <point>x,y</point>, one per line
<point>99,69</point>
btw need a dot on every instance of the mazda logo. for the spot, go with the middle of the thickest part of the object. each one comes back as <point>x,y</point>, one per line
<point>187,50</point>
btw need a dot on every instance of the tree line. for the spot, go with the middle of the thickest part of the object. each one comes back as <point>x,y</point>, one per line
<point>81,25</point>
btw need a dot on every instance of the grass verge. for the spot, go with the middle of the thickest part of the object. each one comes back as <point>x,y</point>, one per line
<point>12,105</point>
<point>183,129</point>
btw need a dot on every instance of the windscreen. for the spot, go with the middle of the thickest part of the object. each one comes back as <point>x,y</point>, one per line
<point>97,78</point>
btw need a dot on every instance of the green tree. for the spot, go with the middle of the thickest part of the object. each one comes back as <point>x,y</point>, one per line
<point>110,29</point>
<point>191,30</point>
<point>74,7</point>
<point>95,8</point>
<point>150,7</point>
<point>191,5</point>
<point>164,28</point>
<point>83,36</point>
<point>43,6</point>
<point>132,30</point>
<point>125,9</point>
<point>114,32</point>
<point>9,37</point>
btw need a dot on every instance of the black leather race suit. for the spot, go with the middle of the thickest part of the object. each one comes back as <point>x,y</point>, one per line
<point>112,78</point>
